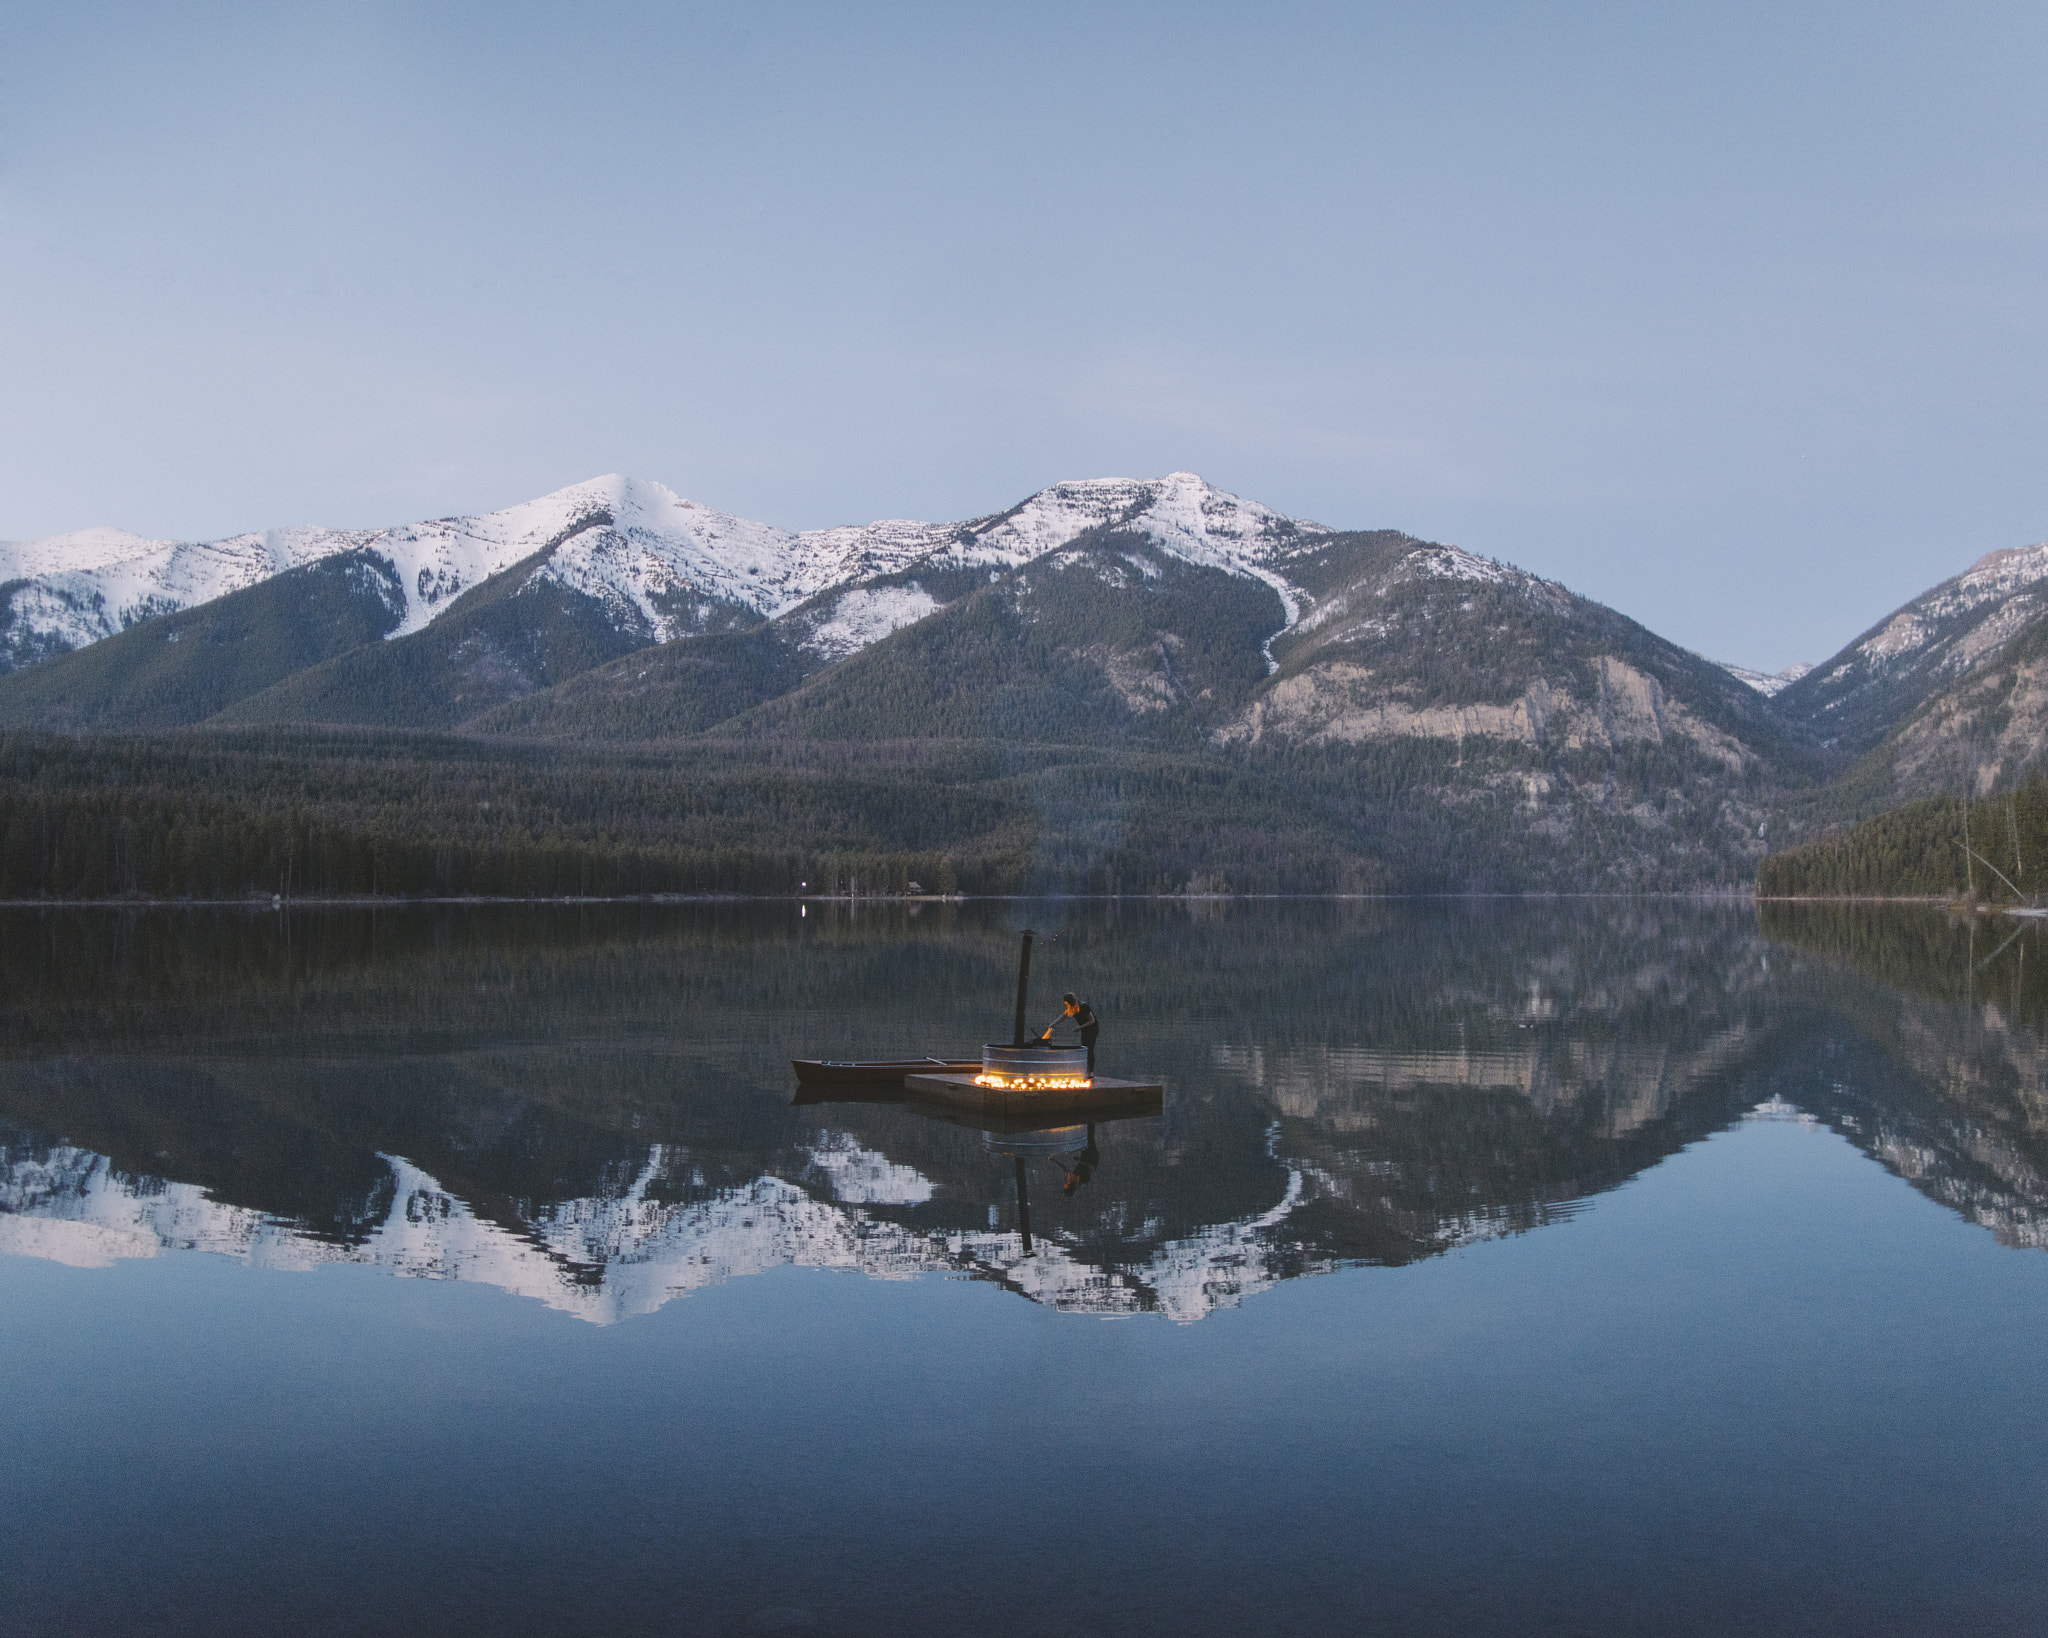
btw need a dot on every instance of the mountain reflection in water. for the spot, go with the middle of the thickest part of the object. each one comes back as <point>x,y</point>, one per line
<point>592,1107</point>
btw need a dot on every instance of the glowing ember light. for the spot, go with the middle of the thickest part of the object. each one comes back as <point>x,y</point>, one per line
<point>1035,1083</point>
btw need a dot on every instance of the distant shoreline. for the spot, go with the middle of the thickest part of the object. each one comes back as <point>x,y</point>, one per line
<point>369,902</point>
<point>1944,900</point>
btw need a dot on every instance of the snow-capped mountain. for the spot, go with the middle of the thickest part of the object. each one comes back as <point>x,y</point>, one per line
<point>67,591</point>
<point>1941,636</point>
<point>1964,618</point>
<point>647,566</point>
<point>661,565</point>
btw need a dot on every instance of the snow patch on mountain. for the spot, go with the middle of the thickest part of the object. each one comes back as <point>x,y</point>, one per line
<point>2009,577</point>
<point>1993,576</point>
<point>1765,683</point>
<point>867,615</point>
<point>628,542</point>
<point>642,550</point>
<point>1181,514</point>
<point>661,565</point>
<point>1357,612</point>
<point>84,549</point>
<point>1454,563</point>
<point>81,596</point>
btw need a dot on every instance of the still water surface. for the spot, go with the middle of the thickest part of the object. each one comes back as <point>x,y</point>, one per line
<point>1498,1268</point>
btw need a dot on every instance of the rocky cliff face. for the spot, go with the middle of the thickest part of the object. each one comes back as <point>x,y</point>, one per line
<point>1413,640</point>
<point>1342,702</point>
<point>1982,733</point>
<point>1949,695</point>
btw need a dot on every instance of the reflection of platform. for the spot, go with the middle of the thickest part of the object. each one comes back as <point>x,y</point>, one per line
<point>1067,1124</point>
<point>1102,1096</point>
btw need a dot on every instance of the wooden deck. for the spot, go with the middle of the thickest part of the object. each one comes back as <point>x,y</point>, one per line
<point>1105,1094</point>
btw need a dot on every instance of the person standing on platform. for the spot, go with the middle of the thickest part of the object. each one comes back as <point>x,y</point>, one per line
<point>1084,1019</point>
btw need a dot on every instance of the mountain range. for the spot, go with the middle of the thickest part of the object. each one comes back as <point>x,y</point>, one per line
<point>1128,617</point>
<point>626,565</point>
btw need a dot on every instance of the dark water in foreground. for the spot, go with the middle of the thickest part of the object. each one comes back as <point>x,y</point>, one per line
<point>1501,1268</point>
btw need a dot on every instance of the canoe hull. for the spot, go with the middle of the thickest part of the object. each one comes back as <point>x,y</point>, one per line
<point>831,1072</point>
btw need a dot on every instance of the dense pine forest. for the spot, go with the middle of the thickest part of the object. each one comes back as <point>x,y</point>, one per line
<point>345,812</point>
<point>1994,850</point>
<point>329,814</point>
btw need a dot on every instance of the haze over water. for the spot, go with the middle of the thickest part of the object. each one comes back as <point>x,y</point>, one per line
<point>1532,1266</point>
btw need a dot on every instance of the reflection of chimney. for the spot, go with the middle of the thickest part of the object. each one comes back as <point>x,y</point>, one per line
<point>1023,987</point>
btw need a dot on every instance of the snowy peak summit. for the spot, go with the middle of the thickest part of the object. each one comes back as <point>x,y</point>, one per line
<point>82,549</point>
<point>660,565</point>
<point>1181,513</point>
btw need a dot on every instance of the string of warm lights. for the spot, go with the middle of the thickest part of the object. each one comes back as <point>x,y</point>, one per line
<point>1034,1083</point>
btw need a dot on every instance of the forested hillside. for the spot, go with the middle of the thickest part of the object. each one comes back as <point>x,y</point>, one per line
<point>183,667</point>
<point>675,691</point>
<point>1890,823</point>
<point>503,640</point>
<point>1104,640</point>
<point>325,812</point>
<point>1919,851</point>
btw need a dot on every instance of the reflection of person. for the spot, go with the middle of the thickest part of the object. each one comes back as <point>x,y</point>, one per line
<point>1084,1164</point>
<point>1084,1019</point>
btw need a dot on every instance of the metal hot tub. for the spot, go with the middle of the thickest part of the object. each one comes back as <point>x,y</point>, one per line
<point>1029,1067</point>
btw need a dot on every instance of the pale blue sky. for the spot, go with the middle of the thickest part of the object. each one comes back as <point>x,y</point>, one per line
<point>1734,317</point>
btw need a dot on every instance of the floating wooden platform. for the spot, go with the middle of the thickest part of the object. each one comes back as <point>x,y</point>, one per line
<point>1105,1094</point>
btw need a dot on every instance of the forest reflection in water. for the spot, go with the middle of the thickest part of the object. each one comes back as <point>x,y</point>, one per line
<point>593,1106</point>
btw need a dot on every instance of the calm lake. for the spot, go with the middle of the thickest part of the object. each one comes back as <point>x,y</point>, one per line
<point>1495,1267</point>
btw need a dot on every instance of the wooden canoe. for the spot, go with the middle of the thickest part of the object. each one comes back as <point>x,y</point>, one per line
<point>839,1072</point>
